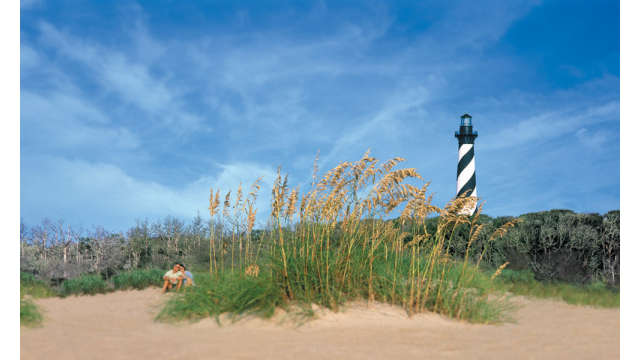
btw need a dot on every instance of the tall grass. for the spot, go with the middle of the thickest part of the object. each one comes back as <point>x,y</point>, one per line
<point>31,287</point>
<point>230,293</point>
<point>332,244</point>
<point>84,285</point>
<point>138,279</point>
<point>34,287</point>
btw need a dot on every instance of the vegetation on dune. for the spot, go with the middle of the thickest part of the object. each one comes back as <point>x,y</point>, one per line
<point>523,282</point>
<point>138,279</point>
<point>364,230</point>
<point>556,245</point>
<point>34,287</point>
<point>30,288</point>
<point>84,285</point>
<point>332,245</point>
<point>29,313</point>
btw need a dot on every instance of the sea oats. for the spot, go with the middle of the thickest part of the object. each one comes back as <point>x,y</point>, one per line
<point>499,270</point>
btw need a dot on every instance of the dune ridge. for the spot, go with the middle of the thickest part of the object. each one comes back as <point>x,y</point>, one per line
<point>120,326</point>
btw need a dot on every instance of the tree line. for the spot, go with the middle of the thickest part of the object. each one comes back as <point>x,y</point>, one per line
<point>554,245</point>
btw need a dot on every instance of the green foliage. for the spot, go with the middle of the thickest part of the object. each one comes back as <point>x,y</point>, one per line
<point>556,245</point>
<point>84,285</point>
<point>231,293</point>
<point>34,287</point>
<point>596,294</point>
<point>138,279</point>
<point>29,313</point>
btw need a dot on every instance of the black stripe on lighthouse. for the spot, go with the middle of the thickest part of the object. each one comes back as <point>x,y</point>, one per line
<point>468,187</point>
<point>466,159</point>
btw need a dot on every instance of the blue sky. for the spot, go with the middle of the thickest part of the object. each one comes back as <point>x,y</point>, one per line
<point>134,110</point>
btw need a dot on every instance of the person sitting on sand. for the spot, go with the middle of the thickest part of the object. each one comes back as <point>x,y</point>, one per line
<point>188,276</point>
<point>173,277</point>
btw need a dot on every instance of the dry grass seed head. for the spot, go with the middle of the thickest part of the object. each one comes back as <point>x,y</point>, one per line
<point>499,232</point>
<point>477,214</point>
<point>236,207</point>
<point>315,168</point>
<point>213,203</point>
<point>227,204</point>
<point>499,270</point>
<point>291,203</point>
<point>251,218</point>
<point>476,231</point>
<point>256,187</point>
<point>252,270</point>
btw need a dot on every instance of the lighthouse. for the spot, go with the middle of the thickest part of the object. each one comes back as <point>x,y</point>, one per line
<point>466,184</point>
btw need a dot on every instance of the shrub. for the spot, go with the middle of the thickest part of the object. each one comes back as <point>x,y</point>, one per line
<point>138,279</point>
<point>524,283</point>
<point>34,287</point>
<point>555,245</point>
<point>86,284</point>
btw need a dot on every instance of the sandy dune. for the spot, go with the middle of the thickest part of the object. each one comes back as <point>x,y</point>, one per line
<point>120,326</point>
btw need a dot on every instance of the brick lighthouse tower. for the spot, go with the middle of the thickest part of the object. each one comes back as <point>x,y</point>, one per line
<point>466,184</point>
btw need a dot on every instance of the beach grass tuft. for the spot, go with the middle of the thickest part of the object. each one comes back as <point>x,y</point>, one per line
<point>84,285</point>
<point>137,279</point>
<point>29,313</point>
<point>335,243</point>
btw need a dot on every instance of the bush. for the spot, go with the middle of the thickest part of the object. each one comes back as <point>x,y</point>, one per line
<point>596,294</point>
<point>555,245</point>
<point>138,279</point>
<point>86,284</point>
<point>34,287</point>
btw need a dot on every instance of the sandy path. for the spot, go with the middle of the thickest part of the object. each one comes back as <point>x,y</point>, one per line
<point>120,326</point>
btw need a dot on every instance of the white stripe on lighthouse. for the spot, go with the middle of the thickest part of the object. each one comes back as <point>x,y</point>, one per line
<point>466,174</point>
<point>463,150</point>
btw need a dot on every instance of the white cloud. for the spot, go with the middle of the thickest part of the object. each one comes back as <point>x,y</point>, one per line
<point>133,81</point>
<point>551,125</point>
<point>30,4</point>
<point>382,123</point>
<point>77,189</point>
<point>66,121</point>
<point>29,58</point>
<point>594,140</point>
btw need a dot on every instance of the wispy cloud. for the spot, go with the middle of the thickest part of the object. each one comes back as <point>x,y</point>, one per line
<point>163,108</point>
<point>132,81</point>
<point>63,121</point>
<point>30,4</point>
<point>107,194</point>
<point>553,124</point>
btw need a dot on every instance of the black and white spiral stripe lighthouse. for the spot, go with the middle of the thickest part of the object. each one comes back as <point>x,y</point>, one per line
<point>466,162</point>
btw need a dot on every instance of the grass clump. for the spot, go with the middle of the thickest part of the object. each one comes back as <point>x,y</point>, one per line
<point>138,279</point>
<point>29,313</point>
<point>333,244</point>
<point>30,288</point>
<point>34,287</point>
<point>523,282</point>
<point>231,293</point>
<point>84,285</point>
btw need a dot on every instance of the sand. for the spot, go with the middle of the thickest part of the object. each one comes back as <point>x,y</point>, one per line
<point>120,326</point>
